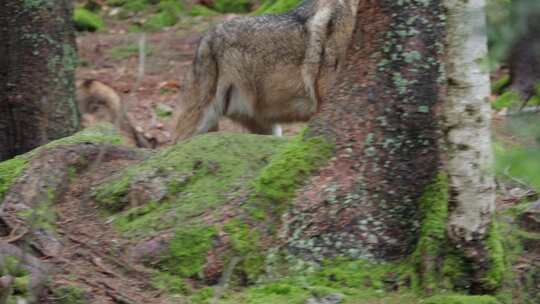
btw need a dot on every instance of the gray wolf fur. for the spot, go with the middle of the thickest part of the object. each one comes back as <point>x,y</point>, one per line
<point>98,102</point>
<point>265,70</point>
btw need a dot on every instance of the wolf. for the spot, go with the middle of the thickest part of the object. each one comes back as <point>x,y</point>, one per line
<point>264,70</point>
<point>98,102</point>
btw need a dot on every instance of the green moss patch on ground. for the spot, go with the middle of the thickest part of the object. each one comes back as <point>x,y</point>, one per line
<point>69,294</point>
<point>461,299</point>
<point>187,251</point>
<point>11,266</point>
<point>86,20</point>
<point>355,282</point>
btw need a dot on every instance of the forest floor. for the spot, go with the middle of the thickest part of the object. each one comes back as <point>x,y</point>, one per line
<point>94,256</point>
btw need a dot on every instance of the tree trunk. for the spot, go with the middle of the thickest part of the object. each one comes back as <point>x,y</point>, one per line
<point>401,126</point>
<point>384,117</point>
<point>37,64</point>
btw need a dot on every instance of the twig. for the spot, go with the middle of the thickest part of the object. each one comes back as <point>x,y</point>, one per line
<point>117,296</point>
<point>97,262</point>
<point>13,238</point>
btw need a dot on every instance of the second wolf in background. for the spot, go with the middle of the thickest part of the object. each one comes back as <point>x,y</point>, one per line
<point>99,102</point>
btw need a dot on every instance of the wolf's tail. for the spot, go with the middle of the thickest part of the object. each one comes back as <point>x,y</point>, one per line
<point>198,112</point>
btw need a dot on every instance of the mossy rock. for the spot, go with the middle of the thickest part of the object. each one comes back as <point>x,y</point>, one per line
<point>11,169</point>
<point>86,20</point>
<point>199,174</point>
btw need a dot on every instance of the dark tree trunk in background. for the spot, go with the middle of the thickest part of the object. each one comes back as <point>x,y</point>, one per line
<point>524,57</point>
<point>37,66</point>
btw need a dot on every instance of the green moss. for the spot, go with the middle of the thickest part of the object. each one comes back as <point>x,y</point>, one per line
<point>163,111</point>
<point>86,20</point>
<point>201,10</point>
<point>203,296</point>
<point>127,51</point>
<point>42,216</point>
<point>103,133</point>
<point>461,299</point>
<point>245,244</point>
<point>168,15</point>
<point>432,242</point>
<point>136,5</point>
<point>498,86</point>
<point>357,281</point>
<point>507,100</point>
<point>12,266</point>
<point>69,294</point>
<point>519,162</point>
<point>113,198</point>
<point>187,251</point>
<point>116,3</point>
<point>199,174</point>
<point>20,284</point>
<point>288,169</point>
<point>9,171</point>
<point>494,278</point>
<point>277,6</point>
<point>232,6</point>
<point>170,283</point>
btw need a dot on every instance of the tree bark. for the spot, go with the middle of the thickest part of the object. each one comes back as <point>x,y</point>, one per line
<point>409,109</point>
<point>468,121</point>
<point>37,64</point>
<point>384,116</point>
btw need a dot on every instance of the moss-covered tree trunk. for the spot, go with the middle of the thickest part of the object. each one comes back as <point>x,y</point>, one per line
<point>37,65</point>
<point>396,167</point>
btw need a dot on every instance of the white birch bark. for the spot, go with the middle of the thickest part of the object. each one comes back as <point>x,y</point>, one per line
<point>468,115</point>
